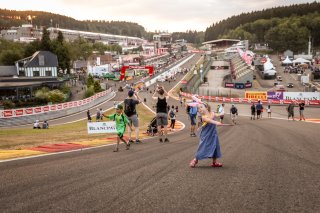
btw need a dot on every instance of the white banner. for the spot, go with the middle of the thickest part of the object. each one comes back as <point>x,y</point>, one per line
<point>102,127</point>
<point>301,96</point>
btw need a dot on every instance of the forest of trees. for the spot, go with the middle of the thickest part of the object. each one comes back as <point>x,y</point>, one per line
<point>9,18</point>
<point>191,36</point>
<point>282,28</point>
<point>281,34</point>
<point>67,52</point>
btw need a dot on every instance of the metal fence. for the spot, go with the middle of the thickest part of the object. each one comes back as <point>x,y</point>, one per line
<point>194,80</point>
<point>15,121</point>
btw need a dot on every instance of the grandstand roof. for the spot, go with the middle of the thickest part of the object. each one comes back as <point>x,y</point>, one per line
<point>221,41</point>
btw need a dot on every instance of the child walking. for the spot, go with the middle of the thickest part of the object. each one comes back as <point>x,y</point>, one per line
<point>209,146</point>
<point>121,123</point>
<point>172,116</point>
<point>269,111</point>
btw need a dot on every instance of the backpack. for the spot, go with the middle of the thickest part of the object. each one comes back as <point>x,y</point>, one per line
<point>171,114</point>
<point>98,115</point>
<point>129,108</point>
<point>114,117</point>
<point>193,110</point>
<point>234,110</point>
<point>188,109</point>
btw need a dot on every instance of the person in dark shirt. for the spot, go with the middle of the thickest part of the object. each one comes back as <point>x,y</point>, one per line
<point>162,115</point>
<point>259,109</point>
<point>253,111</point>
<point>131,112</point>
<point>301,111</point>
<point>290,110</point>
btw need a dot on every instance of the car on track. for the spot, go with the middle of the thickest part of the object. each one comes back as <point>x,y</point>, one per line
<point>290,85</point>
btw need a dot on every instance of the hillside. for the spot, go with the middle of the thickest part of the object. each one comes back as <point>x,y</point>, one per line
<point>282,27</point>
<point>10,18</point>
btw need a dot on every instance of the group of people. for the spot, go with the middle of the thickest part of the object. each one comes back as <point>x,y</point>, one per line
<point>36,125</point>
<point>290,110</point>
<point>200,116</point>
<point>257,110</point>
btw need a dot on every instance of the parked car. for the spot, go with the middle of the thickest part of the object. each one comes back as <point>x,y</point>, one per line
<point>290,85</point>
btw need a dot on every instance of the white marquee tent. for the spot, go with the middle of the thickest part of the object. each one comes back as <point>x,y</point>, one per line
<point>301,61</point>
<point>287,61</point>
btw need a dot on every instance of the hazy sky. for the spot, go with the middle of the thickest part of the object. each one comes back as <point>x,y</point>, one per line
<point>165,15</point>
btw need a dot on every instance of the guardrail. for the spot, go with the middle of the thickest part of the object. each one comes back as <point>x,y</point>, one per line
<point>248,100</point>
<point>15,117</point>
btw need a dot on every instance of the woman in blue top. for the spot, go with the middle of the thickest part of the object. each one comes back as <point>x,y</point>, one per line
<point>209,146</point>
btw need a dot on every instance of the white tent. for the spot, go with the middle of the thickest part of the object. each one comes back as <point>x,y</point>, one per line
<point>287,61</point>
<point>270,73</point>
<point>301,61</point>
<point>268,65</point>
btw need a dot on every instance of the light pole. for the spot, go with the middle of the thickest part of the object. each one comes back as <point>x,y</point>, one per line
<point>201,71</point>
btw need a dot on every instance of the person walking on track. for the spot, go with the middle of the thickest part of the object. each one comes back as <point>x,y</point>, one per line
<point>162,115</point>
<point>209,146</point>
<point>233,113</point>
<point>121,123</point>
<point>253,111</point>
<point>130,110</point>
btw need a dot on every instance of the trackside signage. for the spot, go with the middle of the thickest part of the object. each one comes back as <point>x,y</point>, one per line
<point>311,96</point>
<point>102,127</point>
<point>44,109</point>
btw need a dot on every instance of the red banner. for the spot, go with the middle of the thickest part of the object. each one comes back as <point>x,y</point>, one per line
<point>45,109</point>
<point>37,109</point>
<point>65,105</point>
<point>59,106</point>
<point>53,107</point>
<point>19,112</point>
<point>29,111</point>
<point>7,113</point>
<point>314,102</point>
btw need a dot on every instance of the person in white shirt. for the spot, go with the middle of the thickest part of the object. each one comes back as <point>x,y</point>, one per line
<point>221,112</point>
<point>36,125</point>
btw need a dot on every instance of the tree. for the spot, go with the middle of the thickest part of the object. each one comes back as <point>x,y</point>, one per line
<point>56,96</point>
<point>90,81</point>
<point>89,92</point>
<point>8,57</point>
<point>62,52</point>
<point>288,36</point>
<point>42,94</point>
<point>60,37</point>
<point>97,87</point>
<point>45,40</point>
<point>32,48</point>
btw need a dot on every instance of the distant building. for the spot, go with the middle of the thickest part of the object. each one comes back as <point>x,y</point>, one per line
<point>26,33</point>
<point>259,47</point>
<point>71,35</point>
<point>288,53</point>
<point>220,45</point>
<point>163,42</point>
<point>29,74</point>
<point>40,64</point>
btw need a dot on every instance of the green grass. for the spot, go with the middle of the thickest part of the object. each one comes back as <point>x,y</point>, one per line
<point>20,138</point>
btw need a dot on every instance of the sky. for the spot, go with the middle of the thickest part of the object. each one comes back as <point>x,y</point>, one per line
<point>163,15</point>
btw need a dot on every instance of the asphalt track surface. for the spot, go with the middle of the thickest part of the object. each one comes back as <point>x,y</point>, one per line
<point>270,165</point>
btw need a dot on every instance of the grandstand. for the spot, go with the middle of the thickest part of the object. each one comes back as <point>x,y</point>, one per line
<point>241,72</point>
